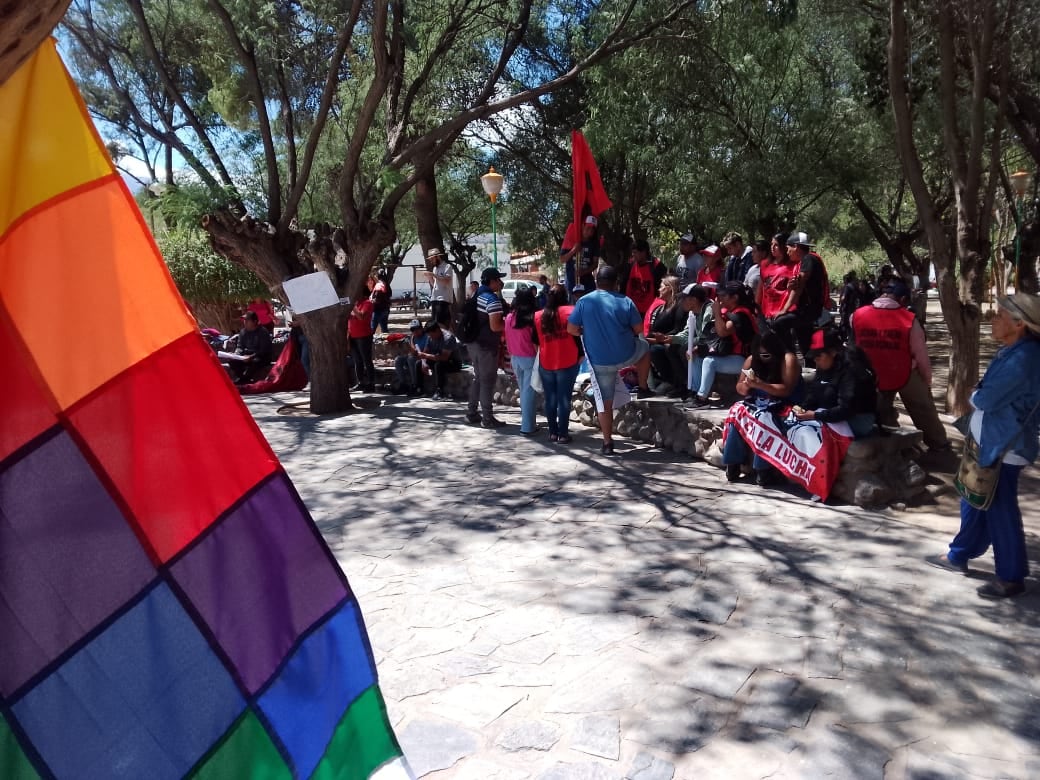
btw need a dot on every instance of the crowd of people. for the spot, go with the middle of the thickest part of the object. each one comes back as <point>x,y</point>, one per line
<point>760,313</point>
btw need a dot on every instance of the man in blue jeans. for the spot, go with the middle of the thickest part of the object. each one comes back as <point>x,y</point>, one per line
<point>612,331</point>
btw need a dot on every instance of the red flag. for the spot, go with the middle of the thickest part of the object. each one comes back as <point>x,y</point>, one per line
<point>589,195</point>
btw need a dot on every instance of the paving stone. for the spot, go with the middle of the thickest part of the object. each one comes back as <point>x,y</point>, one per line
<point>646,766</point>
<point>434,745</point>
<point>708,605</point>
<point>777,703</point>
<point>598,735</point>
<point>842,753</point>
<point>721,680</point>
<point>535,650</point>
<point>584,771</point>
<point>477,769</point>
<point>474,705</point>
<point>466,665</point>
<point>529,735</point>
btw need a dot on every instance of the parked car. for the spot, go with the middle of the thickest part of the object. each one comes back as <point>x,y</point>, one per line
<point>510,287</point>
<point>403,300</point>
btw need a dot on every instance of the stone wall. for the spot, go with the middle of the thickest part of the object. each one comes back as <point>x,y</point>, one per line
<point>876,471</point>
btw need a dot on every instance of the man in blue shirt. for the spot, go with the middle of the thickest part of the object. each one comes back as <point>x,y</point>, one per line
<point>483,353</point>
<point>612,331</point>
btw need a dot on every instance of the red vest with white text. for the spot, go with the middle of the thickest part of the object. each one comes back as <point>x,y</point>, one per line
<point>884,334</point>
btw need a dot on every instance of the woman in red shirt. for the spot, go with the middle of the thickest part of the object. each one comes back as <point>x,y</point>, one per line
<point>360,330</point>
<point>777,273</point>
<point>558,359</point>
<point>711,273</point>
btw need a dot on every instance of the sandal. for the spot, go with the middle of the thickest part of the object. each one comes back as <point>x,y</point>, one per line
<point>564,439</point>
<point>553,437</point>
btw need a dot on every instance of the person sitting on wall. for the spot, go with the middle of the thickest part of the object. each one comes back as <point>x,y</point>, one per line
<point>254,345</point>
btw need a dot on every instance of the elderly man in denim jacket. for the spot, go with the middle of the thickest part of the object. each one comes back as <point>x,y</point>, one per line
<point>1006,425</point>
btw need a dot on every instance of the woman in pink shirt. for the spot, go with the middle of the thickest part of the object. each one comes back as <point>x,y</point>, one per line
<point>520,340</point>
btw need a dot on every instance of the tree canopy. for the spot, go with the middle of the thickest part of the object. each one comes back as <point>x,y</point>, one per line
<point>888,128</point>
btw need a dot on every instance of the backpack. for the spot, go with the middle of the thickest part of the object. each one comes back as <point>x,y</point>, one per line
<point>467,325</point>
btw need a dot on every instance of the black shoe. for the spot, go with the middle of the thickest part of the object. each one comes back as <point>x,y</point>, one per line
<point>999,589</point>
<point>491,422</point>
<point>733,472</point>
<point>473,418</point>
<point>608,450</point>
<point>645,392</point>
<point>764,478</point>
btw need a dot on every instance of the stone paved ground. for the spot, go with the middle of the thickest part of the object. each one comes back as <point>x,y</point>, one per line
<point>543,612</point>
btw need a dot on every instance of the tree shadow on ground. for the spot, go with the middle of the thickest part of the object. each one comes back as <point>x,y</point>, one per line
<point>757,610</point>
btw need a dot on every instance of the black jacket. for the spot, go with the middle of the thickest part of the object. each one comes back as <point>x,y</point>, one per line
<point>844,391</point>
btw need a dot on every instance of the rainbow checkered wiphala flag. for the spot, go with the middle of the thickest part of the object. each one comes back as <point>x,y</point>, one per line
<point>167,605</point>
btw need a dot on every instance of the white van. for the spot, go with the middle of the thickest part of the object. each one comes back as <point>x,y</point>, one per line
<point>510,287</point>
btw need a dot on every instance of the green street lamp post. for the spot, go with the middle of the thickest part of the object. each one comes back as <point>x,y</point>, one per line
<point>492,184</point>
<point>1020,184</point>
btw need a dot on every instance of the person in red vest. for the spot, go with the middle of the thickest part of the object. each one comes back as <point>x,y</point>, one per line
<point>640,278</point>
<point>894,341</point>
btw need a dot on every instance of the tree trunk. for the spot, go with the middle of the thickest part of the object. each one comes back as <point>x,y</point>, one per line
<point>275,258</point>
<point>326,332</point>
<point>1027,277</point>
<point>427,216</point>
<point>962,322</point>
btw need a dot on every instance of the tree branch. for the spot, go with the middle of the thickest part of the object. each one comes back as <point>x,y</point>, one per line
<point>247,59</point>
<point>292,202</point>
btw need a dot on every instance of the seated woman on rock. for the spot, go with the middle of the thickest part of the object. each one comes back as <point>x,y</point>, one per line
<point>665,329</point>
<point>844,388</point>
<point>734,328</point>
<point>808,444</point>
<point>771,382</point>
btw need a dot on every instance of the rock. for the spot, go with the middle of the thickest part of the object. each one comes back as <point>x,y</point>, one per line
<point>714,455</point>
<point>899,506</point>
<point>915,475</point>
<point>871,492</point>
<point>645,433</point>
<point>590,770</point>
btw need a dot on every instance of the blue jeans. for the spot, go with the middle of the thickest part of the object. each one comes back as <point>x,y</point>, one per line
<point>1000,525</point>
<point>559,387</point>
<point>736,450</point>
<point>712,365</point>
<point>523,367</point>
<point>381,319</point>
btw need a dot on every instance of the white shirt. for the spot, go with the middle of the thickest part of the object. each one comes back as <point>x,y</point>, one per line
<point>753,278</point>
<point>442,289</point>
<point>686,268</point>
